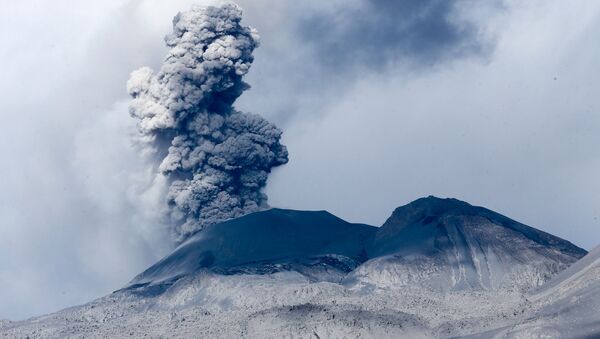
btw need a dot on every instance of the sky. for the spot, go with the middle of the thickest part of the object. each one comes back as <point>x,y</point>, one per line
<point>381,102</point>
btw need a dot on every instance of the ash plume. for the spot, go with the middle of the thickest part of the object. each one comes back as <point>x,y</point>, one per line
<point>216,159</point>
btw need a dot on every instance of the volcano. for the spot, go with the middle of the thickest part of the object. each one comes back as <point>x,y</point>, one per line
<point>436,268</point>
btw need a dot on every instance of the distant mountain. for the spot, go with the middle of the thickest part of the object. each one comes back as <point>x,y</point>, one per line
<point>450,244</point>
<point>436,268</point>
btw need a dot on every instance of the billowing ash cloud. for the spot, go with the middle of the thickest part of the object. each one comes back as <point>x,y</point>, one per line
<point>215,158</point>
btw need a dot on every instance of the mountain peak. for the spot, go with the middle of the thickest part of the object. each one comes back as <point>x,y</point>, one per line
<point>470,246</point>
<point>437,206</point>
<point>426,210</point>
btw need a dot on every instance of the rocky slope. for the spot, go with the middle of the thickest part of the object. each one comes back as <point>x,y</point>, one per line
<point>568,306</point>
<point>449,244</point>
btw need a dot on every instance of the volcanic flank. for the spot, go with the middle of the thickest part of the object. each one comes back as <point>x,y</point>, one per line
<point>439,243</point>
<point>436,268</point>
<point>450,244</point>
<point>567,306</point>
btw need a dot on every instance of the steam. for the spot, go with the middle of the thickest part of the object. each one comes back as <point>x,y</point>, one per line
<point>216,160</point>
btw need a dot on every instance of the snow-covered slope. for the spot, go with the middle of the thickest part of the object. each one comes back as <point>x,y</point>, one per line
<point>568,306</point>
<point>449,244</point>
<point>434,269</point>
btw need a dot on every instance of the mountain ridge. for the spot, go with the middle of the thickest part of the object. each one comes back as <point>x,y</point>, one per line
<point>471,243</point>
<point>437,268</point>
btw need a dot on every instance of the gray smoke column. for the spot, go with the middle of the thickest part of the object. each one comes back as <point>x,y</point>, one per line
<point>216,159</point>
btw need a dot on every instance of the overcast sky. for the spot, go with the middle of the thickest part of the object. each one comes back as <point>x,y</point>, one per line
<point>381,102</point>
